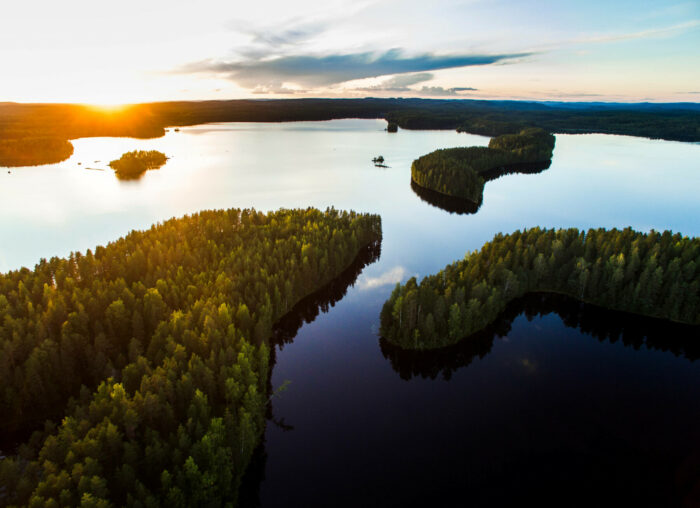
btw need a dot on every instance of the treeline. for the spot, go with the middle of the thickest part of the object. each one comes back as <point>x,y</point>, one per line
<point>605,325</point>
<point>680,122</point>
<point>133,165</point>
<point>677,122</point>
<point>33,151</point>
<point>154,351</point>
<point>462,172</point>
<point>654,274</point>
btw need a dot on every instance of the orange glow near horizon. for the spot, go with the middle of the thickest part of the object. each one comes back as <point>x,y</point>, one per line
<point>107,107</point>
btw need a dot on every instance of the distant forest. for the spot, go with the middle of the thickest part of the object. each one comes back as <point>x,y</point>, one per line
<point>655,274</point>
<point>149,358</point>
<point>462,172</point>
<point>680,122</point>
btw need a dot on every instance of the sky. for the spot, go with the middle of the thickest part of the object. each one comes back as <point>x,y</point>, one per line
<point>154,50</point>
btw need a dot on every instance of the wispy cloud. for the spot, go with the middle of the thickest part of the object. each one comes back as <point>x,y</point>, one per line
<point>438,91</point>
<point>403,82</point>
<point>641,34</point>
<point>269,42</point>
<point>392,276</point>
<point>592,39</point>
<point>400,83</point>
<point>325,70</point>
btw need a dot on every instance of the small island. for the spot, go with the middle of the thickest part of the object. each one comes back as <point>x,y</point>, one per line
<point>462,172</point>
<point>654,274</point>
<point>132,165</point>
<point>379,161</point>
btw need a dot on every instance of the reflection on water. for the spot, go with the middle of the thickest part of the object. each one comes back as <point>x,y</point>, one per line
<point>524,168</point>
<point>321,301</point>
<point>632,330</point>
<point>448,203</point>
<point>284,331</point>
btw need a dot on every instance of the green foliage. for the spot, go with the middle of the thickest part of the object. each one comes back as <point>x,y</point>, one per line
<point>655,274</point>
<point>160,341</point>
<point>132,165</point>
<point>462,172</point>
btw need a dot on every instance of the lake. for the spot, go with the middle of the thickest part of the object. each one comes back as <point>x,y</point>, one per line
<point>556,400</point>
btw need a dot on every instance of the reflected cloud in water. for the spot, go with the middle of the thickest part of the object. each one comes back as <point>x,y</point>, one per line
<point>390,277</point>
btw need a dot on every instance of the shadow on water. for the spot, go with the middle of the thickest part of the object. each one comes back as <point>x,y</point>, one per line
<point>461,206</point>
<point>606,325</point>
<point>284,331</point>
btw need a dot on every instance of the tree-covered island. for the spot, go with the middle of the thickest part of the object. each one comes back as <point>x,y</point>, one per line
<point>654,274</point>
<point>462,172</point>
<point>148,358</point>
<point>132,165</point>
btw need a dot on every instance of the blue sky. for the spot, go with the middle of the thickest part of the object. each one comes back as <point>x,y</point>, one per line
<point>86,51</point>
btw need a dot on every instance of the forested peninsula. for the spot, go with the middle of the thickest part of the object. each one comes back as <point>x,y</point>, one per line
<point>462,172</point>
<point>152,353</point>
<point>654,274</point>
<point>132,165</point>
<point>49,127</point>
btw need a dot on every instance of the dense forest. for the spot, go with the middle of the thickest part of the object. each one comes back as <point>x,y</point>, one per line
<point>34,151</point>
<point>133,165</point>
<point>605,325</point>
<point>153,354</point>
<point>654,274</point>
<point>680,122</point>
<point>462,172</point>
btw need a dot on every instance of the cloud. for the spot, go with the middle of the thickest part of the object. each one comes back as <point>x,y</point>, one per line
<point>392,276</point>
<point>270,42</point>
<point>276,88</point>
<point>643,34</point>
<point>403,82</point>
<point>325,70</point>
<point>399,83</point>
<point>276,39</point>
<point>438,91</point>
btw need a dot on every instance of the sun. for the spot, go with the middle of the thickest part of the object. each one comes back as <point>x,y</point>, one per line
<point>107,107</point>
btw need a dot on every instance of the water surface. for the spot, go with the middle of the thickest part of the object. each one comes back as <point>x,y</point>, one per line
<point>546,404</point>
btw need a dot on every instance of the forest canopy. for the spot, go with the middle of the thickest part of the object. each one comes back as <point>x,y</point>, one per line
<point>133,165</point>
<point>462,172</point>
<point>149,357</point>
<point>34,151</point>
<point>654,274</point>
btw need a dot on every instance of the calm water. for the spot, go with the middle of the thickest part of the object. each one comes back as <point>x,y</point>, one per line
<point>557,399</point>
